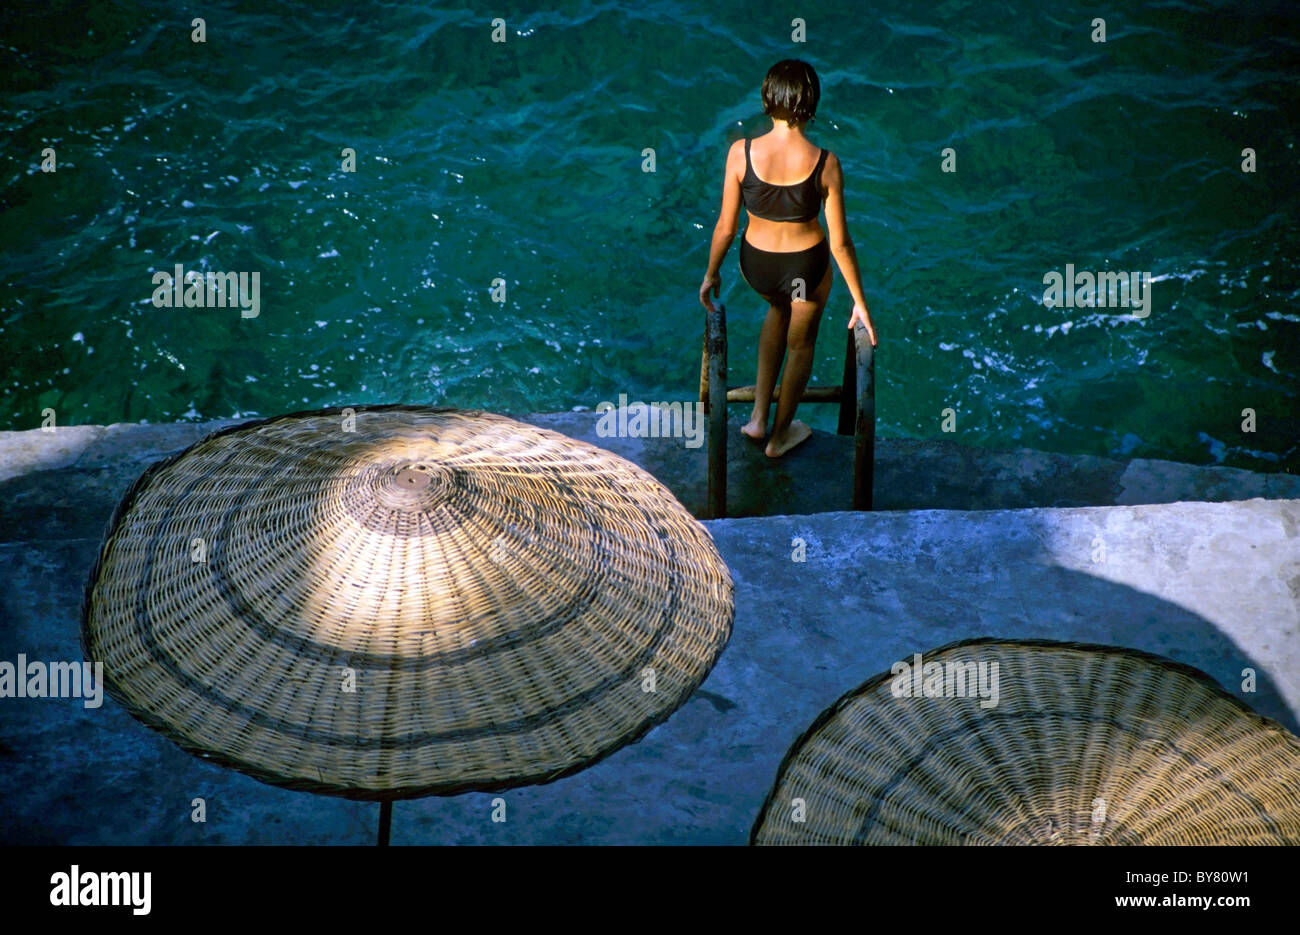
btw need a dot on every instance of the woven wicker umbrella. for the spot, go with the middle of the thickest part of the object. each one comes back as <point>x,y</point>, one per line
<point>392,601</point>
<point>1085,745</point>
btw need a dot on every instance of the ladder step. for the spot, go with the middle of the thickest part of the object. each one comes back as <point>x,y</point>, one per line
<point>811,394</point>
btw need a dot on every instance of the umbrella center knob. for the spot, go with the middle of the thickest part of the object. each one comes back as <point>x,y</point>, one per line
<point>411,477</point>
<point>414,485</point>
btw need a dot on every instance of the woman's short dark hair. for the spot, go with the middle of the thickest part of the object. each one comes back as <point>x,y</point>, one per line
<point>791,91</point>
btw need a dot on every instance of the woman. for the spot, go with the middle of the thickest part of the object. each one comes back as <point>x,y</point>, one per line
<point>782,179</point>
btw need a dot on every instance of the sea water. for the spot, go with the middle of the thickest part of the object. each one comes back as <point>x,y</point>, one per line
<point>502,244</point>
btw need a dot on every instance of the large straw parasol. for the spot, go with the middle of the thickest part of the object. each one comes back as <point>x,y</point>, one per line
<point>393,601</point>
<point>1085,745</point>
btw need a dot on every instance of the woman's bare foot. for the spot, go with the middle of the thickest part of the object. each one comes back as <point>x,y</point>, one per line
<point>783,441</point>
<point>755,429</point>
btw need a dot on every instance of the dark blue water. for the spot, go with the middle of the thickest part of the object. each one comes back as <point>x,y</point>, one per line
<point>522,161</point>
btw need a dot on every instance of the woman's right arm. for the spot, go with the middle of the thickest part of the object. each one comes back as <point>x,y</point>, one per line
<point>846,257</point>
<point>724,232</point>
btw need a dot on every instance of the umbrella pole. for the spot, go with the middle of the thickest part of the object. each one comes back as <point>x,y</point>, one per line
<point>385,822</point>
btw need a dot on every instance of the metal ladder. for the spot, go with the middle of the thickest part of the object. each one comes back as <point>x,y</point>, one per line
<point>856,396</point>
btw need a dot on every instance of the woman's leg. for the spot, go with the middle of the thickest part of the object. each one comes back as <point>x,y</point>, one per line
<point>771,348</point>
<point>801,339</point>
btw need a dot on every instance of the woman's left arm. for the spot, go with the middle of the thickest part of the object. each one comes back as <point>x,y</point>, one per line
<point>724,232</point>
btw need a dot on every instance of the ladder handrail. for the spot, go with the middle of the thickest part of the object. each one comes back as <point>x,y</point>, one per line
<point>864,425</point>
<point>715,404</point>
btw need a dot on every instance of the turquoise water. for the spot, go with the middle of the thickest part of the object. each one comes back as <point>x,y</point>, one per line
<point>523,160</point>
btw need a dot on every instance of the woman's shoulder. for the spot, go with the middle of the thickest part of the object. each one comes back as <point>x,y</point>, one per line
<point>832,175</point>
<point>736,151</point>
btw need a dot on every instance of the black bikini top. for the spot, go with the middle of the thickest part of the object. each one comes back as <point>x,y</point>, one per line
<point>801,201</point>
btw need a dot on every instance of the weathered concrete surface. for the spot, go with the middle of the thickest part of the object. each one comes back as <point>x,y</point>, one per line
<point>61,477</point>
<point>1214,585</point>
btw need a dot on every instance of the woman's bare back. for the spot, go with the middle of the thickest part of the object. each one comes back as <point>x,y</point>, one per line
<point>783,162</point>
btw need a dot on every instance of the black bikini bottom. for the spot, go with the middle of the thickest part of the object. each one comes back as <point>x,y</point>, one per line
<point>774,274</point>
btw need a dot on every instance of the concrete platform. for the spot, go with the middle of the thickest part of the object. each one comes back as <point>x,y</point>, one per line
<point>1215,585</point>
<point>59,478</point>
